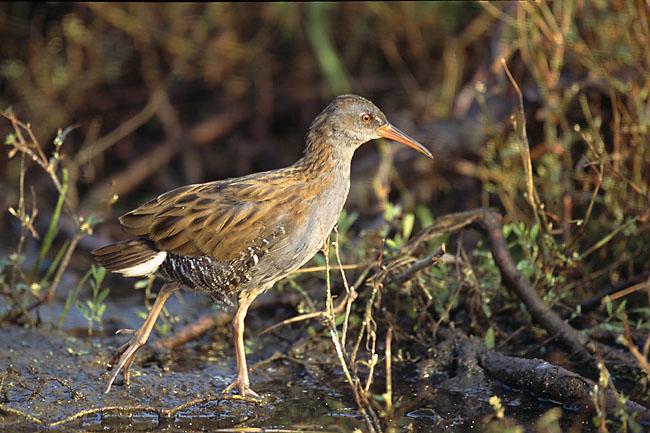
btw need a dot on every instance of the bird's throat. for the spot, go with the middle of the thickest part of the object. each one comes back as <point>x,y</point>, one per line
<point>326,150</point>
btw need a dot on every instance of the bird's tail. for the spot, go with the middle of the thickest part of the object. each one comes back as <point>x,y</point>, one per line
<point>132,258</point>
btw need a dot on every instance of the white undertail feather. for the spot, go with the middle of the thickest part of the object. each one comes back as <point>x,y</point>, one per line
<point>146,268</point>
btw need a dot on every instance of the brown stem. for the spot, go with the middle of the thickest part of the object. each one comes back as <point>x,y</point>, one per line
<point>490,222</point>
<point>419,265</point>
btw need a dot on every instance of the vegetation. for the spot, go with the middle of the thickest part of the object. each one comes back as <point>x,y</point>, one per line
<point>540,110</point>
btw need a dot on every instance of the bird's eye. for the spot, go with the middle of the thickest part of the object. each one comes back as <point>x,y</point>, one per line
<point>366,117</point>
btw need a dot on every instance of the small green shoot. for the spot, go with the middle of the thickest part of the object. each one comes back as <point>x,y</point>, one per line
<point>93,309</point>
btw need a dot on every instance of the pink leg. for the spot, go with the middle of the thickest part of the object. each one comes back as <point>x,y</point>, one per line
<point>242,383</point>
<point>125,355</point>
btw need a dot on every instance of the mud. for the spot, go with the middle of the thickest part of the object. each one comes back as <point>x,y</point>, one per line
<point>56,380</point>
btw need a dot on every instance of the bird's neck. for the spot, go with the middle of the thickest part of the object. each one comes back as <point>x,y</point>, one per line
<point>323,157</point>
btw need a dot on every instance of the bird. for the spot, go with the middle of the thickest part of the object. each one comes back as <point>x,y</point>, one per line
<point>235,238</point>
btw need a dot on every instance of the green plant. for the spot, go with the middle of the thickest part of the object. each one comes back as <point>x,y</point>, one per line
<point>71,299</point>
<point>93,309</point>
<point>403,224</point>
<point>27,290</point>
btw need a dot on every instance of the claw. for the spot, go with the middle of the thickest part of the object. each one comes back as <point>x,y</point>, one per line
<point>243,389</point>
<point>125,331</point>
<point>118,353</point>
<point>125,356</point>
<point>247,392</point>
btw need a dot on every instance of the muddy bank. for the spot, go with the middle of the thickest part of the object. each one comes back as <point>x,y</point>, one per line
<point>51,380</point>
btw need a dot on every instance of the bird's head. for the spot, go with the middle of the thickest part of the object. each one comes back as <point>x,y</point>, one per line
<point>350,121</point>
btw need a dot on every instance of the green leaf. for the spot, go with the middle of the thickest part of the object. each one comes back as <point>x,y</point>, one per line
<point>392,211</point>
<point>102,296</point>
<point>346,220</point>
<point>98,274</point>
<point>489,338</point>
<point>608,306</point>
<point>10,140</point>
<point>83,309</point>
<point>53,227</point>
<point>407,225</point>
<point>621,308</point>
<point>424,215</point>
<point>534,231</point>
<point>71,299</point>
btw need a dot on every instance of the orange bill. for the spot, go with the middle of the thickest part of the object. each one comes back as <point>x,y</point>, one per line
<point>390,132</point>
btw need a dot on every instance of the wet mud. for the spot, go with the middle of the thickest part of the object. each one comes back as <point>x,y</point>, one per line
<point>55,380</point>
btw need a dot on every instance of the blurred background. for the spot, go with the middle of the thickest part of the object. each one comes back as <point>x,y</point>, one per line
<point>174,94</point>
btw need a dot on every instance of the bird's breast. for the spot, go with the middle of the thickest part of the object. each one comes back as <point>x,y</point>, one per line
<point>307,232</point>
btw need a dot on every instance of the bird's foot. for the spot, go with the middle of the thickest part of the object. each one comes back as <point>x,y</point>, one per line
<point>124,357</point>
<point>243,389</point>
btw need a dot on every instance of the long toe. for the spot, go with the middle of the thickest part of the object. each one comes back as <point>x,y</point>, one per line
<point>246,391</point>
<point>124,357</point>
<point>116,359</point>
<point>243,390</point>
<point>117,356</point>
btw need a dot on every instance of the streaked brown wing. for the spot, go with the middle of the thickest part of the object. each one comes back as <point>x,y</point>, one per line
<point>218,219</point>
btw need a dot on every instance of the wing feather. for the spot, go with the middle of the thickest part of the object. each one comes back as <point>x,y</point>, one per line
<point>218,219</point>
